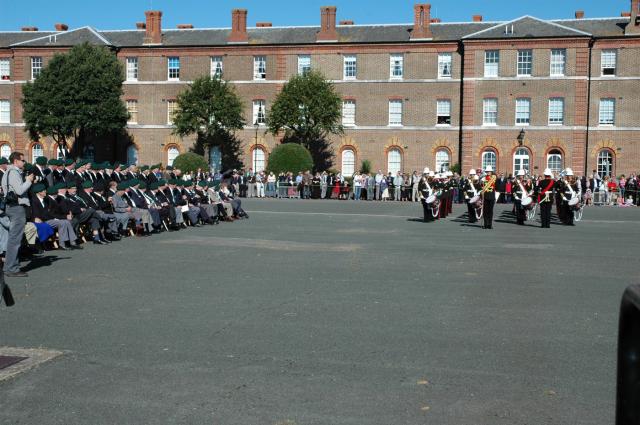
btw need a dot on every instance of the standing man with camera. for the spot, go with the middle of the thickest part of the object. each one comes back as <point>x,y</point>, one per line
<point>16,191</point>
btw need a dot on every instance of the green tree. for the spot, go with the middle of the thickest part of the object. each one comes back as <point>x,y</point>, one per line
<point>77,95</point>
<point>308,110</point>
<point>289,157</point>
<point>211,109</point>
<point>189,161</point>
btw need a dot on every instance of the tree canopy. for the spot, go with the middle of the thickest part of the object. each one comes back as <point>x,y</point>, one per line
<point>189,161</point>
<point>289,157</point>
<point>307,111</point>
<point>211,109</point>
<point>76,94</point>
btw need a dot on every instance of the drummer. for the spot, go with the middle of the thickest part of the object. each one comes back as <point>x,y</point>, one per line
<point>570,196</point>
<point>520,194</point>
<point>545,197</point>
<point>471,189</point>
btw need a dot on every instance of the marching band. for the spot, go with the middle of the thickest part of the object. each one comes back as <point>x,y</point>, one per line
<point>480,195</point>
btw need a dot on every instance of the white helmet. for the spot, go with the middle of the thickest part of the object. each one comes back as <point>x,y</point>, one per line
<point>548,172</point>
<point>432,174</point>
<point>489,168</point>
<point>426,170</point>
<point>568,172</point>
<point>449,173</point>
<point>521,172</point>
<point>475,177</point>
<point>472,172</point>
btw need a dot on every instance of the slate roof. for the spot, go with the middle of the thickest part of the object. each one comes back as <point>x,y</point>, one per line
<point>527,26</point>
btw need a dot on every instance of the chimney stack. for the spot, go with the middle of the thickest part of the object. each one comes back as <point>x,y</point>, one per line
<point>633,27</point>
<point>477,18</point>
<point>153,27</point>
<point>185,26</point>
<point>328,30</point>
<point>264,24</point>
<point>421,22</point>
<point>29,29</point>
<point>579,14</point>
<point>238,27</point>
<point>62,27</point>
<point>141,25</point>
<point>625,14</point>
<point>346,22</point>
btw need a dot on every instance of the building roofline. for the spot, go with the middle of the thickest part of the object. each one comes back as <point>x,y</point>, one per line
<point>523,17</point>
<point>62,34</point>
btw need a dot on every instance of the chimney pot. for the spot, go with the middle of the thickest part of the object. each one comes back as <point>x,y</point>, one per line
<point>264,24</point>
<point>633,27</point>
<point>477,18</point>
<point>153,27</point>
<point>625,14</point>
<point>579,14</point>
<point>328,30</point>
<point>238,26</point>
<point>62,27</point>
<point>29,29</point>
<point>346,22</point>
<point>185,26</point>
<point>421,22</point>
<point>141,25</point>
<point>436,20</point>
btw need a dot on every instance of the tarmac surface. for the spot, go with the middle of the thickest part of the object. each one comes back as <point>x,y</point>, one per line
<point>328,312</point>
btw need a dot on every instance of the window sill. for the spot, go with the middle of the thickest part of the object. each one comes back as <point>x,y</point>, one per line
<point>396,78</point>
<point>173,79</point>
<point>489,125</point>
<point>524,76</point>
<point>557,75</point>
<point>133,80</point>
<point>606,125</point>
<point>349,78</point>
<point>444,77</point>
<point>443,125</point>
<point>521,124</point>
<point>395,125</point>
<point>555,124</point>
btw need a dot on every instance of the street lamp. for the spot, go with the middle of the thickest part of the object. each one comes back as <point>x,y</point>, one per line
<point>255,147</point>
<point>521,137</point>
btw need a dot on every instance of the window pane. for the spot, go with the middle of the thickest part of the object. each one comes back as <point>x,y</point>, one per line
<point>132,69</point>
<point>349,112</point>
<point>491,63</point>
<point>605,163</point>
<point>608,59</point>
<point>350,67</point>
<point>259,67</point>
<point>5,111</point>
<point>490,112</point>
<point>554,161</point>
<point>489,159</point>
<point>258,160</point>
<point>132,108</point>
<point>348,162</point>
<point>89,153</point>
<point>304,64</point>
<point>36,152</point>
<point>607,111</point>
<point>259,113</point>
<point>444,65</point>
<point>523,111</point>
<point>556,111</point>
<point>132,155</point>
<point>525,60</point>
<point>172,105</point>
<point>396,66</point>
<point>444,112</point>
<point>558,58</point>
<point>395,112</point>
<point>216,66</point>
<point>5,71</point>
<point>172,154</point>
<point>442,161</point>
<point>36,67</point>
<point>5,151</point>
<point>394,161</point>
<point>521,160</point>
<point>174,68</point>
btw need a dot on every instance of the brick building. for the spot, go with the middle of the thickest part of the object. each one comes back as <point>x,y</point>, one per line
<point>526,93</point>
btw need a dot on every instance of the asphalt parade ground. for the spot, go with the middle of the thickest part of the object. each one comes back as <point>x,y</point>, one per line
<point>328,312</point>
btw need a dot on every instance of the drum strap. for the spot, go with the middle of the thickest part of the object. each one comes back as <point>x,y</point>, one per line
<point>524,192</point>
<point>545,190</point>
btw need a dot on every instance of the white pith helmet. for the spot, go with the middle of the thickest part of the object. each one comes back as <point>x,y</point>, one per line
<point>472,172</point>
<point>569,172</point>
<point>548,172</point>
<point>521,173</point>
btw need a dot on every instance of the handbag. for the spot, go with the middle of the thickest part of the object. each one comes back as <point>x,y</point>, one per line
<point>7,296</point>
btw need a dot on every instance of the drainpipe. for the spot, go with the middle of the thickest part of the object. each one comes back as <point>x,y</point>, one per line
<point>586,145</point>
<point>460,113</point>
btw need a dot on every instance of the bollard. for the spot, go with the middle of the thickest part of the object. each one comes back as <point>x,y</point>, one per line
<point>628,386</point>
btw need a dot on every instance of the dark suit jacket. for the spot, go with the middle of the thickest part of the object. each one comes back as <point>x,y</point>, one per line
<point>57,207</point>
<point>38,211</point>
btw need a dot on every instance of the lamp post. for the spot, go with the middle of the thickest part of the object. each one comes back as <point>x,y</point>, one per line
<point>255,147</point>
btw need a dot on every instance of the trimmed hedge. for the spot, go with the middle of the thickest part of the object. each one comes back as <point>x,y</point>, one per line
<point>190,161</point>
<point>290,157</point>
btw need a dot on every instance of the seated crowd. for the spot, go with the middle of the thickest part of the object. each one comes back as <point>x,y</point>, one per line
<point>59,204</point>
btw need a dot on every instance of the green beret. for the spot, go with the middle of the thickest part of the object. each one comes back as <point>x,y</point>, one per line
<point>133,182</point>
<point>72,185</point>
<point>107,165</point>
<point>60,186</point>
<point>116,165</point>
<point>52,161</point>
<point>154,185</point>
<point>39,187</point>
<point>52,190</point>
<point>59,162</point>
<point>4,161</point>
<point>142,185</point>
<point>122,186</point>
<point>202,183</point>
<point>69,161</point>
<point>41,160</point>
<point>28,166</point>
<point>97,166</point>
<point>173,182</point>
<point>144,167</point>
<point>153,167</point>
<point>79,163</point>
<point>87,184</point>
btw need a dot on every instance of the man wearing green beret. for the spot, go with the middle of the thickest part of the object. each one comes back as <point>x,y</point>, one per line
<point>82,213</point>
<point>116,175</point>
<point>45,209</point>
<point>40,171</point>
<point>122,208</point>
<point>68,171</point>
<point>108,224</point>
<point>139,208</point>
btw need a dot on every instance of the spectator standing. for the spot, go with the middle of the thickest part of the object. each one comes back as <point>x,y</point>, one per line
<point>379,178</point>
<point>13,181</point>
<point>398,181</point>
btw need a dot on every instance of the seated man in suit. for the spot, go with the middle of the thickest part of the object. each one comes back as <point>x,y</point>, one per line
<point>107,219</point>
<point>45,209</point>
<point>226,196</point>
<point>174,214</point>
<point>141,203</point>
<point>82,213</point>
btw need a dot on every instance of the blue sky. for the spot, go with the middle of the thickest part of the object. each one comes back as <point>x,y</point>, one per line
<point>122,14</point>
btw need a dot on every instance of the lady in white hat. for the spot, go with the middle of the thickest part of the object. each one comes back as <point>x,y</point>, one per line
<point>545,191</point>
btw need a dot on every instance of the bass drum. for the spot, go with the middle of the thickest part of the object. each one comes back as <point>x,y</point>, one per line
<point>474,200</point>
<point>526,202</point>
<point>431,199</point>
<point>574,201</point>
